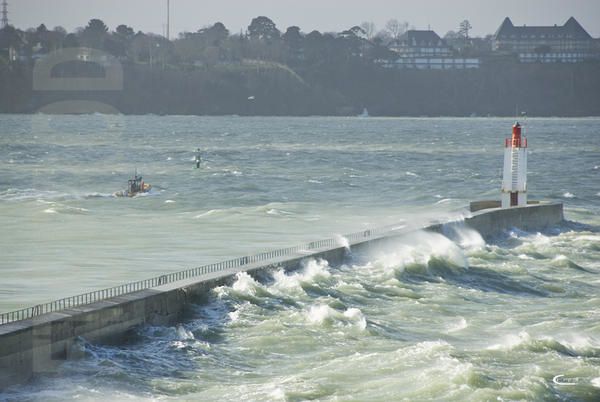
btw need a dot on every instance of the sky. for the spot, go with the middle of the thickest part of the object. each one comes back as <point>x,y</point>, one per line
<point>442,16</point>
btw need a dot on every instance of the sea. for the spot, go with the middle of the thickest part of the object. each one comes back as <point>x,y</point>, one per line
<point>515,317</point>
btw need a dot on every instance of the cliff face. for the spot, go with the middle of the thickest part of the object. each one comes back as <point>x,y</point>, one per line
<point>496,89</point>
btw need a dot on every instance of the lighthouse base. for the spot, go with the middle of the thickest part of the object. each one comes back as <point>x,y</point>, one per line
<point>514,199</point>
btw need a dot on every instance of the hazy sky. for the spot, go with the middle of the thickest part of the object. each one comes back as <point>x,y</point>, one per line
<point>324,15</point>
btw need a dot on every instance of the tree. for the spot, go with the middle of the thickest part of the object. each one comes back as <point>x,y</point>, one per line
<point>369,29</point>
<point>215,35</point>
<point>293,40</point>
<point>292,36</point>
<point>10,38</point>
<point>94,34</point>
<point>353,33</point>
<point>125,32</point>
<point>464,28</point>
<point>71,40</point>
<point>48,40</point>
<point>396,28</point>
<point>60,30</point>
<point>96,26</point>
<point>263,28</point>
<point>383,37</point>
<point>453,39</point>
<point>41,29</point>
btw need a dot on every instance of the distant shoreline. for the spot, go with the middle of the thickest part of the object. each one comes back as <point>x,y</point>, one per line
<point>543,90</point>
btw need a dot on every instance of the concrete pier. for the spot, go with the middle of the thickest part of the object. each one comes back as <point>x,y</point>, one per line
<point>37,345</point>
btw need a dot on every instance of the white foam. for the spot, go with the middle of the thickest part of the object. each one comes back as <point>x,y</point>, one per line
<point>207,213</point>
<point>312,271</point>
<point>245,284</point>
<point>356,317</point>
<point>319,314</point>
<point>234,315</point>
<point>420,248</point>
<point>591,238</point>
<point>30,194</point>
<point>469,238</point>
<point>568,195</point>
<point>511,341</point>
<point>342,241</point>
<point>64,209</point>
<point>539,240</point>
<point>580,343</point>
<point>458,325</point>
<point>426,349</point>
<point>170,202</point>
<point>322,314</point>
<point>184,334</point>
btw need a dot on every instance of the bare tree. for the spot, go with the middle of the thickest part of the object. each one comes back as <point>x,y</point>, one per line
<point>369,28</point>
<point>396,28</point>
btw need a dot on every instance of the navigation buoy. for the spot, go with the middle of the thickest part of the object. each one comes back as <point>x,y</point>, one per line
<point>514,182</point>
<point>198,158</point>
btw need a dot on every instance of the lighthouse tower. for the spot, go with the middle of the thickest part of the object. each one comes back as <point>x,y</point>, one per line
<point>514,182</point>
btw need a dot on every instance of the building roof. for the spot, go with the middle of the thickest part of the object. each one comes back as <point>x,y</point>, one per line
<point>421,39</point>
<point>570,30</point>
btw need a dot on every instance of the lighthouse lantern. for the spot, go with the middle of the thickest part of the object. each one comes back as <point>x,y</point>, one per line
<point>514,182</point>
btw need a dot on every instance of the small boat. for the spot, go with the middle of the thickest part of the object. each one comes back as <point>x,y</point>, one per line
<point>365,113</point>
<point>135,186</point>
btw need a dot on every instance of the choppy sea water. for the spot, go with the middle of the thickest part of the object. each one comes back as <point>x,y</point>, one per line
<point>432,318</point>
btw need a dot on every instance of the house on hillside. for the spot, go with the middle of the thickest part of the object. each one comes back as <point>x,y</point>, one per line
<point>425,50</point>
<point>569,43</point>
<point>414,43</point>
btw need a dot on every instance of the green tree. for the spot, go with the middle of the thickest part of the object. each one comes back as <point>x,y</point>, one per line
<point>293,40</point>
<point>71,40</point>
<point>48,40</point>
<point>96,26</point>
<point>215,35</point>
<point>292,36</point>
<point>60,30</point>
<point>11,38</point>
<point>263,28</point>
<point>94,34</point>
<point>125,32</point>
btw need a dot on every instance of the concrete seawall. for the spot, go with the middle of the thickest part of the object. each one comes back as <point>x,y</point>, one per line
<point>38,345</point>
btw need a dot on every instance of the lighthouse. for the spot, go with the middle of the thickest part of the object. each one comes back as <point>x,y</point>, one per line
<point>514,182</point>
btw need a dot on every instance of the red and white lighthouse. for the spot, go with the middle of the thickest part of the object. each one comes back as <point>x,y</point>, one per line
<point>514,182</point>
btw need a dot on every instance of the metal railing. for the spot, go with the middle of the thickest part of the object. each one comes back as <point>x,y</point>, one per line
<point>269,257</point>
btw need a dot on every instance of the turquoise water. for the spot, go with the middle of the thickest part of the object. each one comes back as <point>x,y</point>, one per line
<point>431,318</point>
